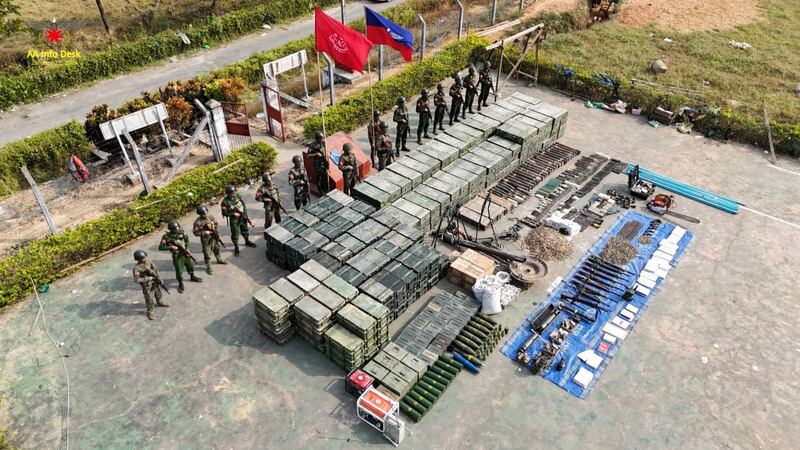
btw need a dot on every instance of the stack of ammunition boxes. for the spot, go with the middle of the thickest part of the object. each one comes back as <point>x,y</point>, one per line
<point>273,315</point>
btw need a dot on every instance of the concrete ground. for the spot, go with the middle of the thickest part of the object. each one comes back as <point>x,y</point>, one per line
<point>713,363</point>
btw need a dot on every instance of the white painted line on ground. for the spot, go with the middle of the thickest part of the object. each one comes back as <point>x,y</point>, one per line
<point>791,224</point>
<point>784,170</point>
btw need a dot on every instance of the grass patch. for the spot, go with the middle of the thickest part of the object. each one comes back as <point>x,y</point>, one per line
<point>741,80</point>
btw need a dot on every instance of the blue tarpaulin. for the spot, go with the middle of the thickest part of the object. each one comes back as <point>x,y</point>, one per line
<point>588,336</point>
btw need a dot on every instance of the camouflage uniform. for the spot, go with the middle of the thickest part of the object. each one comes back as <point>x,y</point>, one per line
<point>180,260</point>
<point>348,164</point>
<point>455,105</point>
<point>151,290</point>
<point>400,117</point>
<point>485,80</point>
<point>270,207</point>
<point>298,179</point>
<point>236,212</point>
<point>441,108</point>
<point>207,229</point>
<point>471,90</point>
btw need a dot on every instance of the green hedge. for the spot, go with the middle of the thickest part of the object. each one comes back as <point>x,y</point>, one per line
<point>50,258</point>
<point>44,79</point>
<point>45,154</point>
<point>354,111</point>
<point>727,124</point>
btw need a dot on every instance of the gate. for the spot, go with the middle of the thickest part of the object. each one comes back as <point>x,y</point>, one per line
<point>273,114</point>
<point>237,125</point>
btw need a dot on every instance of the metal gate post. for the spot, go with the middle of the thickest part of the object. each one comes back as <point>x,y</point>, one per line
<point>424,33</point>
<point>460,18</point>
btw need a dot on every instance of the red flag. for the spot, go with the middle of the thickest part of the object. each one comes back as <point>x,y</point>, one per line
<point>343,44</point>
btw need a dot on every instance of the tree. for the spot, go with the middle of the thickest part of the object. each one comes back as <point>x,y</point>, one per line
<point>102,15</point>
<point>9,26</point>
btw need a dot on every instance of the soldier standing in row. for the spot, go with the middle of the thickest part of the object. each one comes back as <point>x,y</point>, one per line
<point>374,133</point>
<point>207,229</point>
<point>317,150</point>
<point>234,209</point>
<point>348,164</point>
<point>441,107</point>
<point>455,94</point>
<point>424,111</point>
<point>384,147</point>
<point>298,180</point>
<point>269,195</point>
<point>401,119</point>
<point>177,242</point>
<point>471,89</point>
<point>146,274</point>
<point>485,80</point>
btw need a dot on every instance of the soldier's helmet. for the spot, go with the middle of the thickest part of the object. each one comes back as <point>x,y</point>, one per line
<point>318,135</point>
<point>266,178</point>
<point>202,210</point>
<point>139,255</point>
<point>424,93</point>
<point>376,113</point>
<point>230,189</point>
<point>439,87</point>
<point>296,159</point>
<point>347,147</point>
<point>471,70</point>
<point>173,225</point>
<point>384,127</point>
<point>401,100</point>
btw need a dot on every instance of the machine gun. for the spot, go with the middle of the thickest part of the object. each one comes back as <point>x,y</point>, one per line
<point>157,279</point>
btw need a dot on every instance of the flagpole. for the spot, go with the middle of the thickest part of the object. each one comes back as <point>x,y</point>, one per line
<point>322,112</point>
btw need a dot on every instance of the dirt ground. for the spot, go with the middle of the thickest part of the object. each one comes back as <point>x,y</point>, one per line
<point>71,204</point>
<point>689,15</point>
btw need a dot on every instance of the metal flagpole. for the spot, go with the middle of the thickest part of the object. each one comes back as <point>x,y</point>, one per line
<point>322,112</point>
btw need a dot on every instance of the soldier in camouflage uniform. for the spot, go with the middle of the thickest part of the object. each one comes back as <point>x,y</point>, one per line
<point>441,107</point>
<point>348,164</point>
<point>298,180</point>
<point>485,80</point>
<point>207,229</point>
<point>317,150</point>
<point>471,88</point>
<point>401,119</point>
<point>458,99</point>
<point>384,147</point>
<point>146,274</point>
<point>424,111</point>
<point>234,209</point>
<point>374,133</point>
<point>177,242</point>
<point>268,195</point>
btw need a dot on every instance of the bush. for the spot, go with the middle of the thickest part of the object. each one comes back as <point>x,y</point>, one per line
<point>45,154</point>
<point>51,258</point>
<point>354,111</point>
<point>41,80</point>
<point>180,113</point>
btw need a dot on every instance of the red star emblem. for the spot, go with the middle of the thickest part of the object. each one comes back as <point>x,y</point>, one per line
<point>54,35</point>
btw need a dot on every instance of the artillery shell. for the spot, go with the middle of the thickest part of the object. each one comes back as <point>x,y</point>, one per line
<point>436,392</point>
<point>447,368</point>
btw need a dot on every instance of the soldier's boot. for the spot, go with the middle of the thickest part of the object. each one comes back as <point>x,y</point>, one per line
<point>249,243</point>
<point>180,286</point>
<point>235,249</point>
<point>151,315</point>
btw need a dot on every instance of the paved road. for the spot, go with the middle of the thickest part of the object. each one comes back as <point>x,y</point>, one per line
<point>30,119</point>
